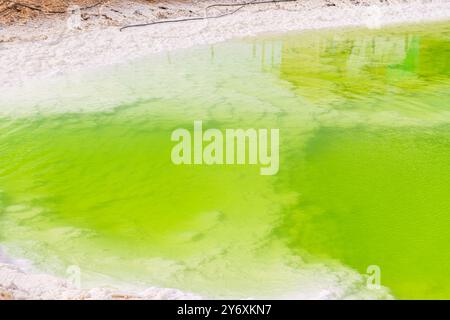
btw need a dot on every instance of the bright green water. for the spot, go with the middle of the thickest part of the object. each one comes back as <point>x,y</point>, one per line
<point>86,175</point>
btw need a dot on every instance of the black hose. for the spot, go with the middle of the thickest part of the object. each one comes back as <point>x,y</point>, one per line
<point>240,5</point>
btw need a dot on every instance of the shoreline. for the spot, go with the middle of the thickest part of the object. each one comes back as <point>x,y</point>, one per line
<point>18,282</point>
<point>50,50</point>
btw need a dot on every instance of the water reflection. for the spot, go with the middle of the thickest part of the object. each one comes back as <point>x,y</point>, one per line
<point>336,69</point>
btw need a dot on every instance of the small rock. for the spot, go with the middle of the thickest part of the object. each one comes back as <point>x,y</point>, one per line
<point>5,295</point>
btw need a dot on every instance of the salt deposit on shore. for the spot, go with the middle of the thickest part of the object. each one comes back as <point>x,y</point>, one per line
<point>16,284</point>
<point>60,44</point>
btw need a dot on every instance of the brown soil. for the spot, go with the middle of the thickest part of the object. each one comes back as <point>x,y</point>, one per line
<point>12,11</point>
<point>5,295</point>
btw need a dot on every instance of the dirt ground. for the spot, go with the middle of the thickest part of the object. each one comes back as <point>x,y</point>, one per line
<point>12,11</point>
<point>19,11</point>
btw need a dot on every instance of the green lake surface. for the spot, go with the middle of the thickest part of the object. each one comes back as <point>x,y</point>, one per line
<point>86,176</point>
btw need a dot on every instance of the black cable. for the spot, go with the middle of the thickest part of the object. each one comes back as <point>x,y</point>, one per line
<point>241,5</point>
<point>179,20</point>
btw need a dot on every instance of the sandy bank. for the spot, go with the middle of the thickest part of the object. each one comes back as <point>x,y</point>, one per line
<point>91,38</point>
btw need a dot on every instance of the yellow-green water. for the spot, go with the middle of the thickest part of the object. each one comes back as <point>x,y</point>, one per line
<point>86,177</point>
